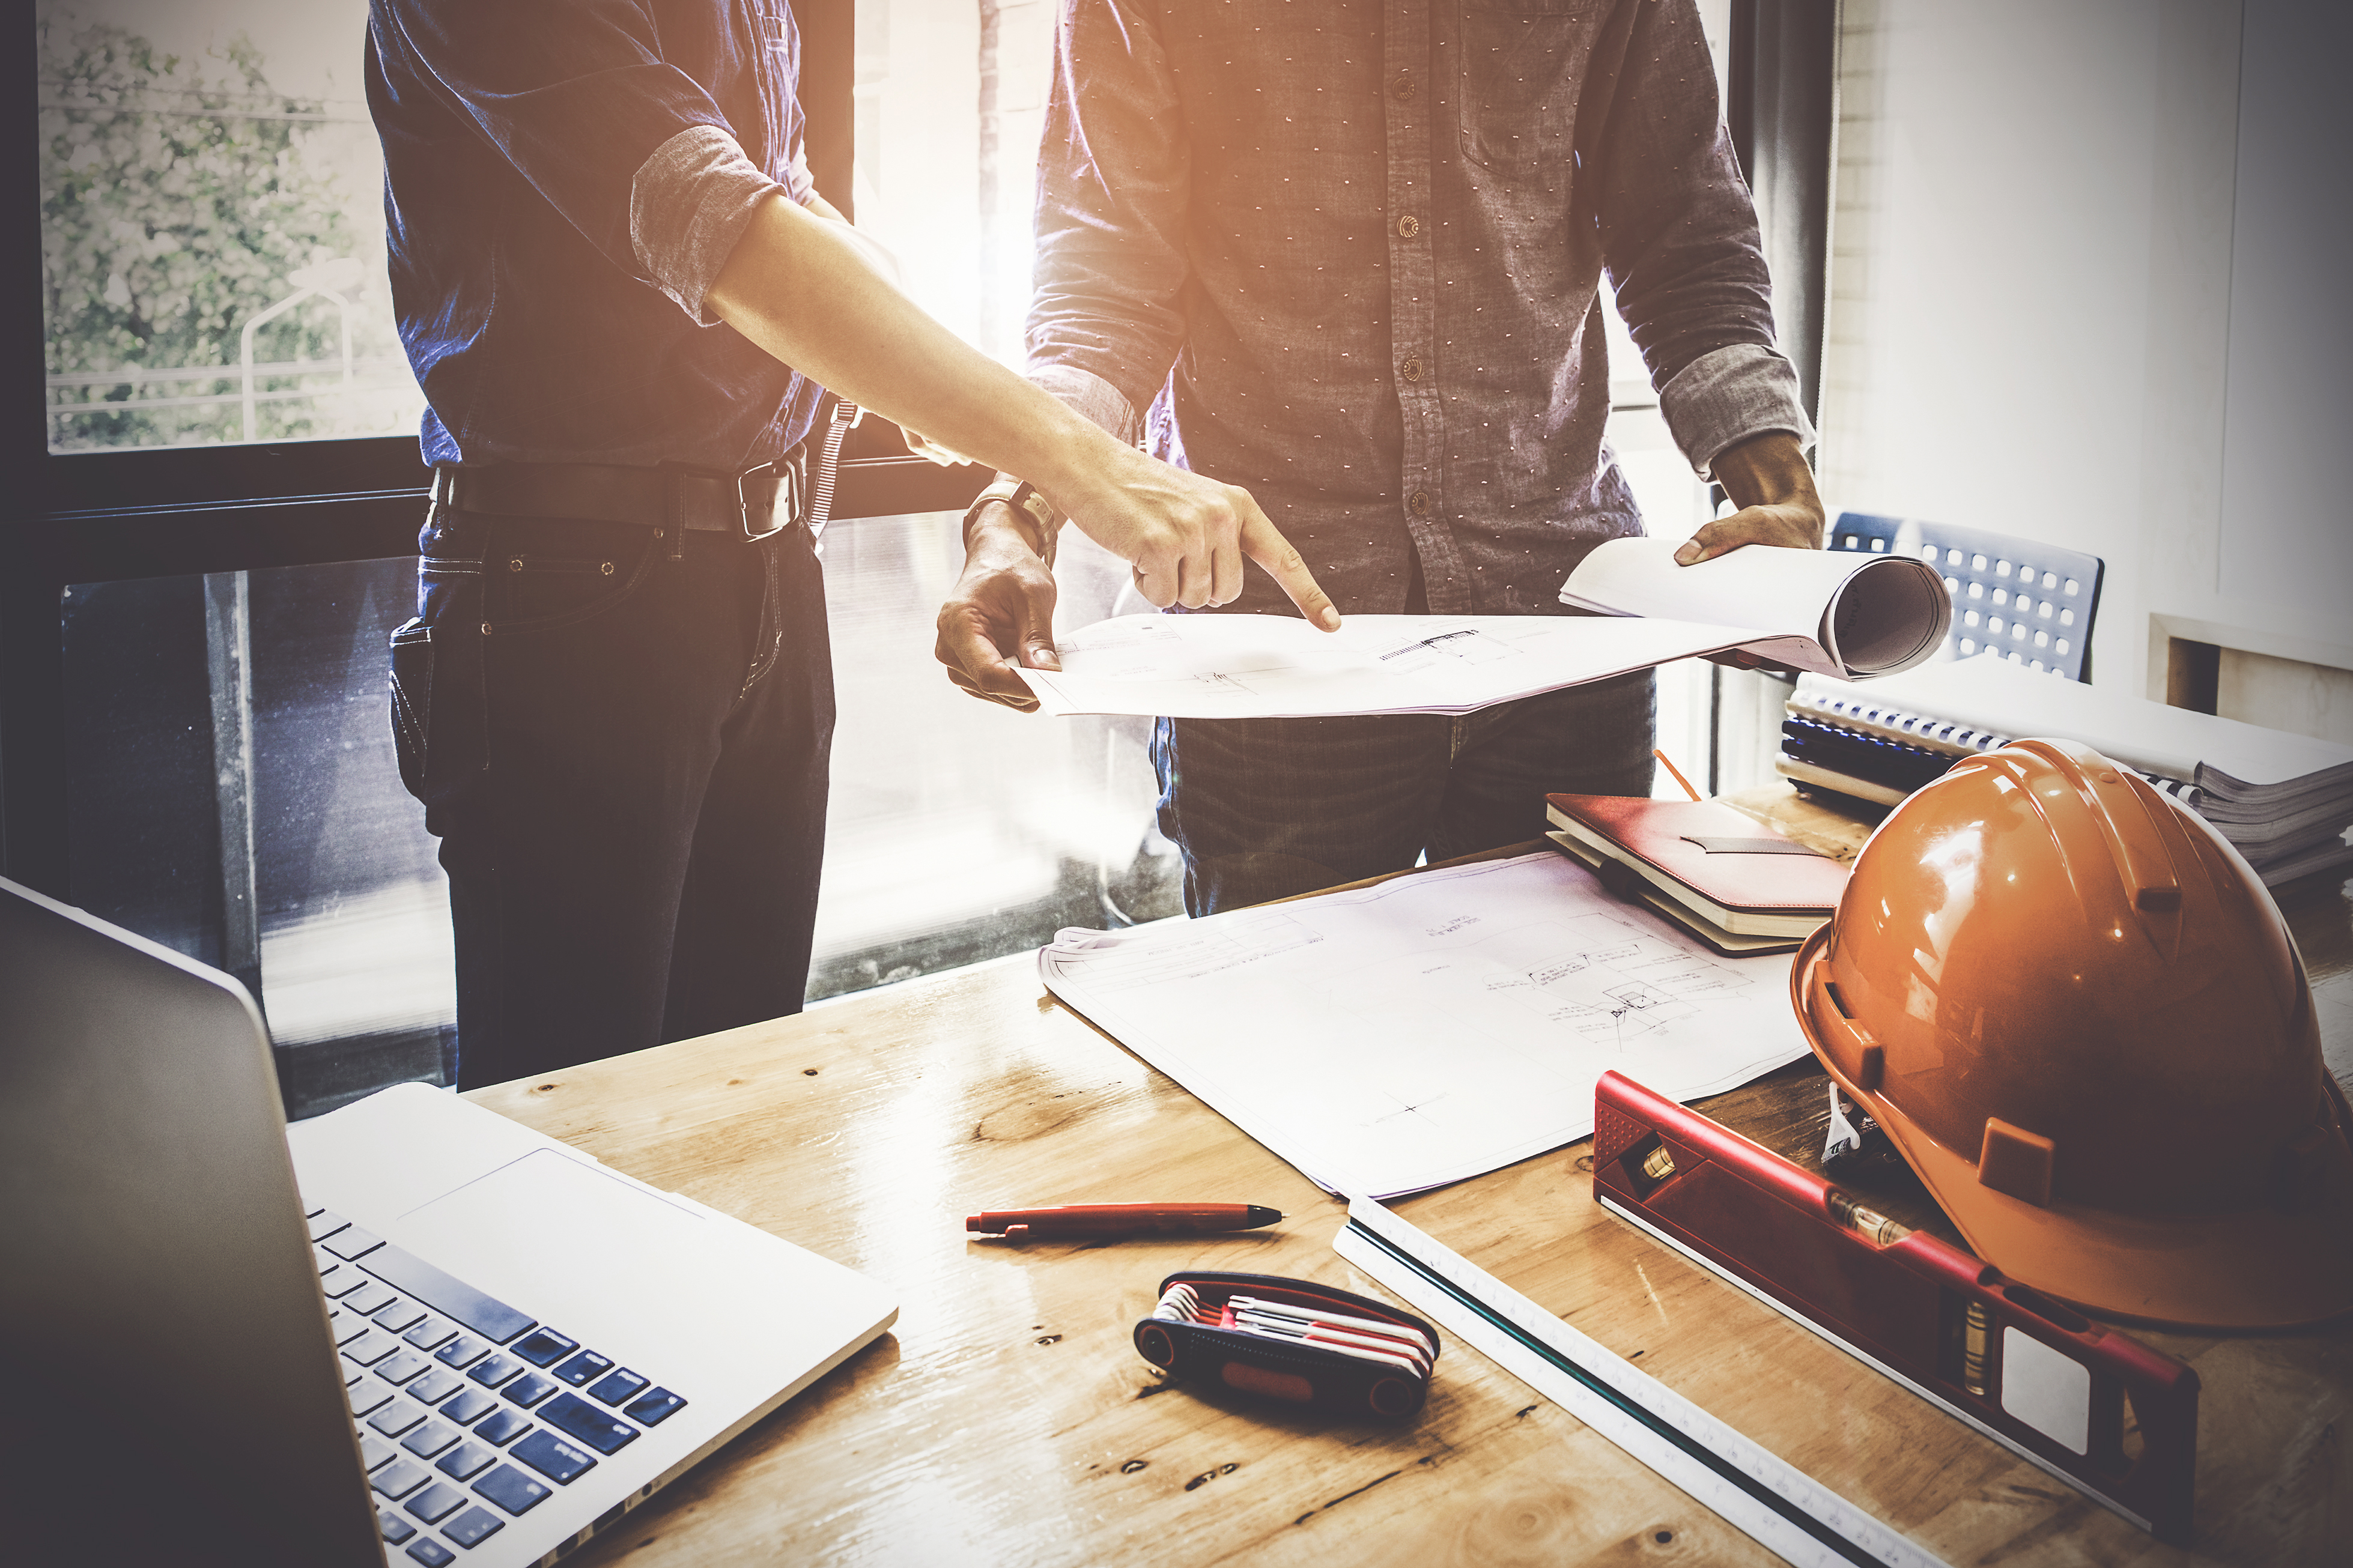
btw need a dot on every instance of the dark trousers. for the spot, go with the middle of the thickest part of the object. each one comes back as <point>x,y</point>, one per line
<point>1265,808</point>
<point>624,755</point>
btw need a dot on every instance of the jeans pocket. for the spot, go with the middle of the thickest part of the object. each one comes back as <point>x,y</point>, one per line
<point>538,591</point>
<point>440,724</point>
<point>412,702</point>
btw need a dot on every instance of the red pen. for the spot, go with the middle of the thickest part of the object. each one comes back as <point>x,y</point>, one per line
<point>1121,1219</point>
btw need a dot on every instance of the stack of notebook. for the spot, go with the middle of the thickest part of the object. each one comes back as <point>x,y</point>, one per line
<point>2283,801</point>
<point>1734,883</point>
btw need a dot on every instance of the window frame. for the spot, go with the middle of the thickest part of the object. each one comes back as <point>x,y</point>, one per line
<point>86,517</point>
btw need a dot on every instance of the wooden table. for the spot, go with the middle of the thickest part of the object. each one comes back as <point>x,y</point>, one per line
<point>1007,1419</point>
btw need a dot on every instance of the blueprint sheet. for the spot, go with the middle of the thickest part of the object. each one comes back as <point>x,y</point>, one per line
<point>1274,666</point>
<point>1836,614</point>
<point>1433,1027</point>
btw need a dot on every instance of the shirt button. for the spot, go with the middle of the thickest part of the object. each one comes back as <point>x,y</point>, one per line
<point>1410,369</point>
<point>1408,225</point>
<point>1419,504</point>
<point>1402,88</point>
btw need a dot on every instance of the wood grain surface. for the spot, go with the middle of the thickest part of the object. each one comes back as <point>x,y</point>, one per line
<point>1006,1418</point>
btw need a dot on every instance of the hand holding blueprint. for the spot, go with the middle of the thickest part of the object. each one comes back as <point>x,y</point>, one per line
<point>1841,614</point>
<point>1834,613</point>
<point>1431,1027</point>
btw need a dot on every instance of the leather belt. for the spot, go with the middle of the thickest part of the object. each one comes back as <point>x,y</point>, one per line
<point>750,505</point>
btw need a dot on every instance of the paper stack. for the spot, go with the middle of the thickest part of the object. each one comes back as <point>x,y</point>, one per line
<point>2283,801</point>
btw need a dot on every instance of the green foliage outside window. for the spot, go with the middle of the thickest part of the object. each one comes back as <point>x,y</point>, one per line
<point>180,199</point>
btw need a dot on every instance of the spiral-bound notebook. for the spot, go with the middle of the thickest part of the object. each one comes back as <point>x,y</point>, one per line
<point>2283,801</point>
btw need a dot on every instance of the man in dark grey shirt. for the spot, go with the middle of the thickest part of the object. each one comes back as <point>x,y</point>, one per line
<point>1347,256</point>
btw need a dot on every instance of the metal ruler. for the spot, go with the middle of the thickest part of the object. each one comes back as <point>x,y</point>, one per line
<point>1780,1507</point>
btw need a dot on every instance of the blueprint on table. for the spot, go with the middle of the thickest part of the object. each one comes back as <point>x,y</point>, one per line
<point>1431,1027</point>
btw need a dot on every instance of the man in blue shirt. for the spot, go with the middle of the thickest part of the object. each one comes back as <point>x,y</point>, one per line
<point>620,292</point>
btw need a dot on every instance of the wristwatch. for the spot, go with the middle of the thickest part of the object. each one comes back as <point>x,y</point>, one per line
<point>1027,504</point>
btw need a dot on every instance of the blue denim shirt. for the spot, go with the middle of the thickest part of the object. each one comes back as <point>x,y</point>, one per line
<point>562,177</point>
<point>1347,254</point>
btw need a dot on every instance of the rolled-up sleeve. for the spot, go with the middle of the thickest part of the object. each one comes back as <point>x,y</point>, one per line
<point>1729,396</point>
<point>1106,316</point>
<point>1678,236</point>
<point>689,203</point>
<point>575,95</point>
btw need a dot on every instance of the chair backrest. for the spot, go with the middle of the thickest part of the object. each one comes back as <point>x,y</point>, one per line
<point>2033,602</point>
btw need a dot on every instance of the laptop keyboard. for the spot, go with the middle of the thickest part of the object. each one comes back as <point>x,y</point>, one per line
<point>469,1413</point>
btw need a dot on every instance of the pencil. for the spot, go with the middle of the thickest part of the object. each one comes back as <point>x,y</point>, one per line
<point>1676,771</point>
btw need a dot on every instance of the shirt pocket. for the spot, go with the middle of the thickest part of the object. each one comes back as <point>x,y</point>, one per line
<point>1516,90</point>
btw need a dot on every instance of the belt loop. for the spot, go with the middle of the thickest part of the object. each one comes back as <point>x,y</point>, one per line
<point>791,491</point>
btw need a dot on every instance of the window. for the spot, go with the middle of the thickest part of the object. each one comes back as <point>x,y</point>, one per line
<point>212,228</point>
<point>235,796</point>
<point>951,102</point>
<point>960,830</point>
<point>1675,503</point>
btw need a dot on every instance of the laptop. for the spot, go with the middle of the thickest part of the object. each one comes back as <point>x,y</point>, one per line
<point>409,1331</point>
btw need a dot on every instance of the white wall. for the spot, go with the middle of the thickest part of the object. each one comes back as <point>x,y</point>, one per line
<point>2031,305</point>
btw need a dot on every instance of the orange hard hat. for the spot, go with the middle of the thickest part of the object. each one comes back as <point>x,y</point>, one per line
<point>2079,1015</point>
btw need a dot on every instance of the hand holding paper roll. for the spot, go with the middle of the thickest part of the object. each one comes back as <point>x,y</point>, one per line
<point>1833,612</point>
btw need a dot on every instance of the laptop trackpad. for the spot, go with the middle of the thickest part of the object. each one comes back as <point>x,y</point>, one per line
<point>564,1241</point>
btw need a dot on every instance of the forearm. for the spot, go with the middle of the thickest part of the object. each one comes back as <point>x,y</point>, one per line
<point>802,287</point>
<point>796,285</point>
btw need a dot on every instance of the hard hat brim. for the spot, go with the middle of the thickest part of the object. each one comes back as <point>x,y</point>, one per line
<point>2247,1268</point>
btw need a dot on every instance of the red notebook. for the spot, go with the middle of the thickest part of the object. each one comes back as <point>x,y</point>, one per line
<point>1740,873</point>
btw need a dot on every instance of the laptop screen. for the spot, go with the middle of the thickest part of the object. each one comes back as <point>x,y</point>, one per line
<point>160,1288</point>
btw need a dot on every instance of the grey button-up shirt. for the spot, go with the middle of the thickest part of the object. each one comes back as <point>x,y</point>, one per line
<point>1346,253</point>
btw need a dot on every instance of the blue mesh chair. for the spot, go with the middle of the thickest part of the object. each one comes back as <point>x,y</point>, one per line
<point>2033,602</point>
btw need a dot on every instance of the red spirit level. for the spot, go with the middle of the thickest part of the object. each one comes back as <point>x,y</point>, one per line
<point>2029,1372</point>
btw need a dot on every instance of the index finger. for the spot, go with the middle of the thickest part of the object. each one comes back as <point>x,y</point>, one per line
<point>1264,543</point>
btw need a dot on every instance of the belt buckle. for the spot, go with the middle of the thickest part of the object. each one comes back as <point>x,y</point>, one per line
<point>744,506</point>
